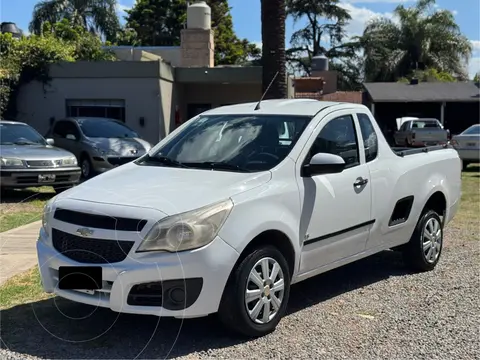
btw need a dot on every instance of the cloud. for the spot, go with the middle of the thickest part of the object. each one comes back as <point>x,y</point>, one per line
<point>476,45</point>
<point>360,17</point>
<point>378,1</point>
<point>122,7</point>
<point>473,66</point>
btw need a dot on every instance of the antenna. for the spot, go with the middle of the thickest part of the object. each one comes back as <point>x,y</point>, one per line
<point>257,107</point>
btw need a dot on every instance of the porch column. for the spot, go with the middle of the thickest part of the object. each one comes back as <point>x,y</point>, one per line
<point>373,109</point>
<point>442,112</point>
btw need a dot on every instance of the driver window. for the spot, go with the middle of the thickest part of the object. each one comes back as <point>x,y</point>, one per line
<point>338,137</point>
<point>59,129</point>
<point>71,129</point>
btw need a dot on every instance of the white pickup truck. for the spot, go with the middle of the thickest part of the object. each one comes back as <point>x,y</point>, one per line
<point>226,213</point>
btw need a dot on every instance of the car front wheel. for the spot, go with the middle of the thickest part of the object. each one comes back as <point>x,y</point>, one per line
<point>256,296</point>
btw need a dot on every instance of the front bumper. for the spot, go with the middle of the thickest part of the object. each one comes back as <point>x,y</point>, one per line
<point>22,178</point>
<point>212,263</point>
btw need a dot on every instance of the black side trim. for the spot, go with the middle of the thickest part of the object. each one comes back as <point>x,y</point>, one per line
<point>401,211</point>
<point>311,241</point>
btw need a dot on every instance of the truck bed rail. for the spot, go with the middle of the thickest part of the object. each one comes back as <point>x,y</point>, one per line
<point>404,151</point>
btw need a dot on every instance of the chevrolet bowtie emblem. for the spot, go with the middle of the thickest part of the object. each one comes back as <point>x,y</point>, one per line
<point>85,232</point>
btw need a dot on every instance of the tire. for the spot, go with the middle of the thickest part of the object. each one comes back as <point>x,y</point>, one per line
<point>233,311</point>
<point>86,166</point>
<point>415,256</point>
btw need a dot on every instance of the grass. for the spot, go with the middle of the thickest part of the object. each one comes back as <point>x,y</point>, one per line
<point>19,208</point>
<point>22,289</point>
<point>26,287</point>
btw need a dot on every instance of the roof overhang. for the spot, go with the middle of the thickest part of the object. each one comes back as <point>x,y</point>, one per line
<point>219,75</point>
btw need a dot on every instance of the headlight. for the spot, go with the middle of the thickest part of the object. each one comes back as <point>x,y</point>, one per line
<point>105,152</point>
<point>12,162</point>
<point>70,161</point>
<point>46,215</point>
<point>186,231</point>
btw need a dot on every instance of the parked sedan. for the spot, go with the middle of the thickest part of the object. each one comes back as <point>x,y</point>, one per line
<point>99,144</point>
<point>28,159</point>
<point>467,144</point>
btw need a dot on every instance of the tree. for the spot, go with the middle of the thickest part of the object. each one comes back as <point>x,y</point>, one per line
<point>273,15</point>
<point>476,78</point>
<point>27,59</point>
<point>422,38</point>
<point>159,22</point>
<point>324,34</point>
<point>96,16</point>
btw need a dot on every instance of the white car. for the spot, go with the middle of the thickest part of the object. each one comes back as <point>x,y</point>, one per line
<point>191,229</point>
<point>467,144</point>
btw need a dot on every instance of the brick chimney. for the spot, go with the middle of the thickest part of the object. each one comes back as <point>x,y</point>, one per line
<point>196,41</point>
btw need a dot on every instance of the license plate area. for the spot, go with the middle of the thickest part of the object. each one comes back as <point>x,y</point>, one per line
<point>471,144</point>
<point>46,178</point>
<point>82,278</point>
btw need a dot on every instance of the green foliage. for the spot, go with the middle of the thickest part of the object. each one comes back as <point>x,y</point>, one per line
<point>96,16</point>
<point>429,75</point>
<point>159,22</point>
<point>324,34</point>
<point>27,59</point>
<point>423,35</point>
<point>476,78</point>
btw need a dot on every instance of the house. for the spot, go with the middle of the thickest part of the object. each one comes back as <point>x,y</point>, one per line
<point>151,89</point>
<point>455,104</point>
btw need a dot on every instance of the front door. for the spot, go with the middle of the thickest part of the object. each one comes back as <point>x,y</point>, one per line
<point>336,209</point>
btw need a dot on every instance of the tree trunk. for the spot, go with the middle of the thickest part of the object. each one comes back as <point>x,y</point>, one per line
<point>273,48</point>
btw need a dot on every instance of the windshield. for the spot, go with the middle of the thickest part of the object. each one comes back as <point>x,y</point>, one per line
<point>232,142</point>
<point>472,130</point>
<point>105,128</point>
<point>19,134</point>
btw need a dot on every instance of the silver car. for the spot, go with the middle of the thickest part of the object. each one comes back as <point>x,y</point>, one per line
<point>29,160</point>
<point>467,145</point>
<point>99,144</point>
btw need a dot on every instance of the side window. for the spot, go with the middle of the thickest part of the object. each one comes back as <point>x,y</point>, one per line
<point>71,129</point>
<point>59,129</point>
<point>404,126</point>
<point>338,137</point>
<point>370,140</point>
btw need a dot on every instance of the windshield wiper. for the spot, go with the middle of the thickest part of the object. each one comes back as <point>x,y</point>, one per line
<point>164,161</point>
<point>217,165</point>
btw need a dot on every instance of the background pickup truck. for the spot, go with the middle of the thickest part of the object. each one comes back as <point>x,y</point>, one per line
<point>191,229</point>
<point>420,132</point>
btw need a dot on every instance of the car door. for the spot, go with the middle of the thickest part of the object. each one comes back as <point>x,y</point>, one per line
<point>336,208</point>
<point>72,138</point>
<point>401,135</point>
<point>58,133</point>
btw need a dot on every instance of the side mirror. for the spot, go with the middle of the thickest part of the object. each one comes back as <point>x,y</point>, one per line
<point>70,137</point>
<point>324,163</point>
<point>50,141</point>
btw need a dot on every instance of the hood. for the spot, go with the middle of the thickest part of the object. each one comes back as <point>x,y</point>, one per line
<point>122,146</point>
<point>169,190</point>
<point>33,152</point>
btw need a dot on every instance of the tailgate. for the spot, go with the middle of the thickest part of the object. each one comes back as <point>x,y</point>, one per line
<point>430,135</point>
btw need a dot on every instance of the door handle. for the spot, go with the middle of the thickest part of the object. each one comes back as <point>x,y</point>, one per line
<point>360,182</point>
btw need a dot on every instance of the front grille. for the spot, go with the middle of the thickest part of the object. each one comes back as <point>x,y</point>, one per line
<point>40,163</point>
<point>90,251</point>
<point>121,160</point>
<point>99,221</point>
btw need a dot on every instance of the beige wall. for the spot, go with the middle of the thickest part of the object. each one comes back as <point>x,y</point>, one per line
<point>142,99</point>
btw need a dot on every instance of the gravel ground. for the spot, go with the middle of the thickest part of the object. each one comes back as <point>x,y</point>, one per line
<point>373,309</point>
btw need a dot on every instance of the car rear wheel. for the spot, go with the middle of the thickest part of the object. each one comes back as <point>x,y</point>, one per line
<point>256,296</point>
<point>423,251</point>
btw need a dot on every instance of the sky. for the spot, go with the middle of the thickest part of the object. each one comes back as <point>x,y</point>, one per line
<point>246,17</point>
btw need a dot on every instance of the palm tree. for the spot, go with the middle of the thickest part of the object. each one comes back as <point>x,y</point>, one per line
<point>273,48</point>
<point>422,37</point>
<point>97,16</point>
